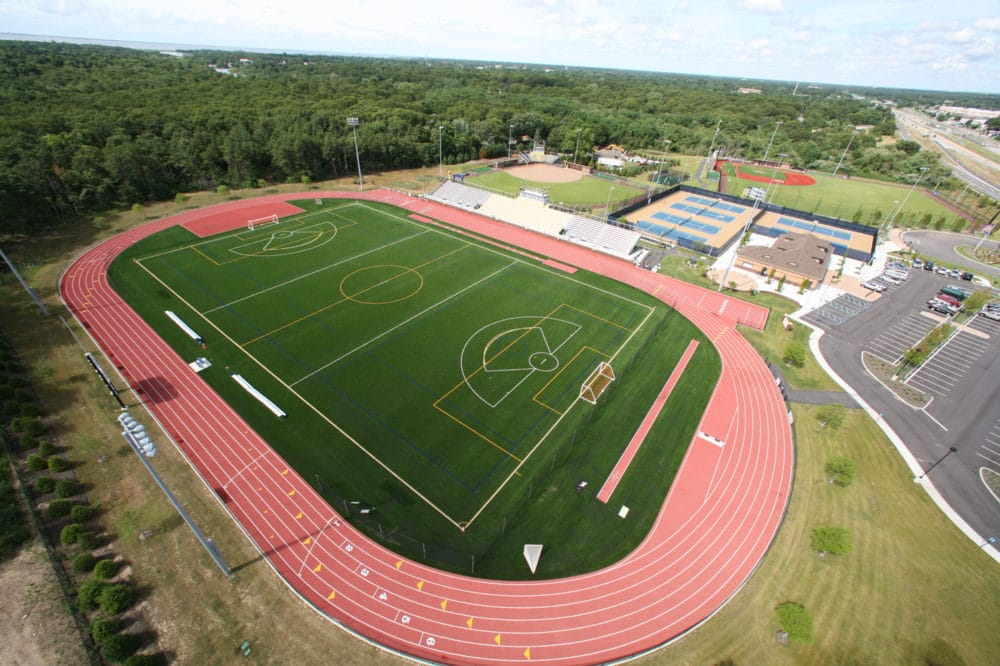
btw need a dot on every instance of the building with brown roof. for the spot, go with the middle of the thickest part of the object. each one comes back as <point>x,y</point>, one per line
<point>795,256</point>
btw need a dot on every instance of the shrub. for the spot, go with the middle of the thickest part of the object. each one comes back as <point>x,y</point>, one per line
<point>82,563</point>
<point>27,425</point>
<point>37,463</point>
<point>67,487</point>
<point>45,448</point>
<point>841,470</point>
<point>833,540</point>
<point>796,621</point>
<point>87,594</point>
<point>59,508</point>
<point>831,415</point>
<point>44,484</point>
<point>57,464</point>
<point>70,533</point>
<point>794,354</point>
<point>103,628</point>
<point>28,442</point>
<point>81,513</point>
<point>105,569</point>
<point>87,540</point>
<point>143,660</point>
<point>116,598</point>
<point>119,647</point>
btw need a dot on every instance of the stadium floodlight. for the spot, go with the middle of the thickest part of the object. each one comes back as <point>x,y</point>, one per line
<point>353,123</point>
<point>510,139</point>
<point>440,153</point>
<point>607,206</point>
<point>849,142</point>
<point>923,170</point>
<point>659,170</point>
<point>777,124</point>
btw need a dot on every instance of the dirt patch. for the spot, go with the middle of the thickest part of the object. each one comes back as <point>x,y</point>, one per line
<point>545,173</point>
<point>37,628</point>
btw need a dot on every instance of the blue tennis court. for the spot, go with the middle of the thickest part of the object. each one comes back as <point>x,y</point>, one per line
<point>695,210</point>
<point>664,232</point>
<point>730,207</point>
<point>705,228</point>
<point>814,227</point>
<point>699,200</point>
<point>721,217</point>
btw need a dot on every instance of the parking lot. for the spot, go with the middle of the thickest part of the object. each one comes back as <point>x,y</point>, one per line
<point>901,335</point>
<point>947,368</point>
<point>990,448</point>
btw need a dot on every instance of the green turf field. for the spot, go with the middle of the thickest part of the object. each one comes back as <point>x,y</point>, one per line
<point>587,190</point>
<point>852,199</point>
<point>431,376</point>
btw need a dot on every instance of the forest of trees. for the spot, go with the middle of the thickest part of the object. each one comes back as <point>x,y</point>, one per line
<point>89,128</point>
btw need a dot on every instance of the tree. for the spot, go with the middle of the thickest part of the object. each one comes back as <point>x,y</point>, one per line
<point>841,470</point>
<point>781,282</point>
<point>114,599</point>
<point>831,415</point>
<point>832,540</point>
<point>976,300</point>
<point>103,628</point>
<point>794,355</point>
<point>806,283</point>
<point>795,621</point>
<point>119,647</point>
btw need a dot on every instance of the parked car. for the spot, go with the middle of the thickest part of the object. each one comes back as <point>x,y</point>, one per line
<point>961,293</point>
<point>947,298</point>
<point>940,306</point>
<point>941,270</point>
<point>928,265</point>
<point>885,277</point>
<point>898,274</point>
<point>917,262</point>
<point>954,272</point>
<point>967,276</point>
<point>874,285</point>
<point>990,314</point>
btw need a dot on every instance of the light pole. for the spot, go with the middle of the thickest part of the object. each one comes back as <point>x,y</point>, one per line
<point>844,154</point>
<point>771,182</point>
<point>440,153</point>
<point>711,146</point>
<point>353,123</point>
<point>777,124</point>
<point>659,170</point>
<point>579,131</point>
<point>510,140</point>
<point>923,170</point>
<point>607,206</point>
<point>937,462</point>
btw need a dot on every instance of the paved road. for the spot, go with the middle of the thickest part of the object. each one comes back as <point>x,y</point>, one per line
<point>941,246</point>
<point>964,411</point>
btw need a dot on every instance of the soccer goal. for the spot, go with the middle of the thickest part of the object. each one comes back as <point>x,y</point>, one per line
<point>597,382</point>
<point>261,221</point>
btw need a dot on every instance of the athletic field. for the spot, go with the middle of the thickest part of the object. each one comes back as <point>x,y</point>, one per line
<point>432,376</point>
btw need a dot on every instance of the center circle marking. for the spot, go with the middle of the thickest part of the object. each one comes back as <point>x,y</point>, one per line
<point>381,284</point>
<point>543,361</point>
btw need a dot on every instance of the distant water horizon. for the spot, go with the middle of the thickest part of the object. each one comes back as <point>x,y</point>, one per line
<point>168,46</point>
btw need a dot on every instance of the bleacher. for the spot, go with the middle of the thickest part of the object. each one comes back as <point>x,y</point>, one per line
<point>601,236</point>
<point>525,213</point>
<point>459,195</point>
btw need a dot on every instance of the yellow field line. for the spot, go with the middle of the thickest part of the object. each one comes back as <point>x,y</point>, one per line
<point>476,432</point>
<point>592,315</point>
<point>535,397</point>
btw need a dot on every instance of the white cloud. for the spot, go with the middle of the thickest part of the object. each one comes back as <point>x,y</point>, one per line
<point>763,5</point>
<point>961,36</point>
<point>991,24</point>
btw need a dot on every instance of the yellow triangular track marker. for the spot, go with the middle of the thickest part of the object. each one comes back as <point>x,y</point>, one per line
<point>469,623</point>
<point>496,639</point>
<point>291,493</point>
<point>420,585</point>
<point>308,541</point>
<point>527,653</point>
<point>298,516</point>
<point>444,604</point>
<point>319,567</point>
<point>399,564</point>
<point>285,473</point>
<point>332,594</point>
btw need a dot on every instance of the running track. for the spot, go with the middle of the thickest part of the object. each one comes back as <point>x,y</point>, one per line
<point>716,524</point>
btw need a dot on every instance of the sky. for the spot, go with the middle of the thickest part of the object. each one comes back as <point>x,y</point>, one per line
<point>938,45</point>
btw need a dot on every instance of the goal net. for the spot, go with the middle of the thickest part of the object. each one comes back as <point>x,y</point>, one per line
<point>597,382</point>
<point>261,221</point>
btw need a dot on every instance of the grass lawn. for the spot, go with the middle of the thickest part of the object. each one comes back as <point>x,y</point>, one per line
<point>912,591</point>
<point>852,199</point>
<point>588,190</point>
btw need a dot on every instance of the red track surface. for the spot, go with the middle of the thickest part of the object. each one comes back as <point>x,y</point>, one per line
<point>608,489</point>
<point>716,524</point>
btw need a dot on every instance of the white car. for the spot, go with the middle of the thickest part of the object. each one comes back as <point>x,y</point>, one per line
<point>885,277</point>
<point>990,314</point>
<point>874,286</point>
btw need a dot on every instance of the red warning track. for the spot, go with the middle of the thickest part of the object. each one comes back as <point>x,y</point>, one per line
<point>604,494</point>
<point>716,524</point>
